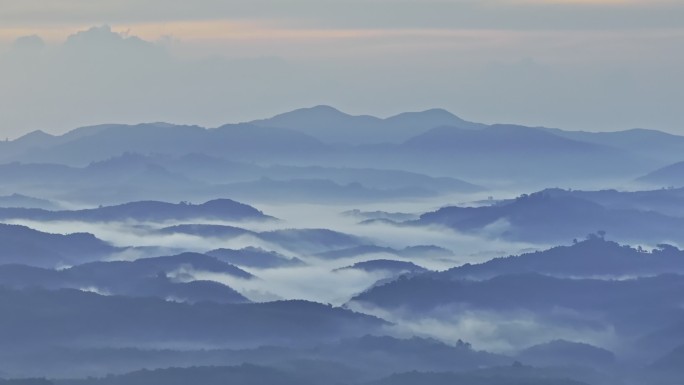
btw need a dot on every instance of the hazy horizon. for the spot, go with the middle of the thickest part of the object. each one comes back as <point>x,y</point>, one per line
<point>577,65</point>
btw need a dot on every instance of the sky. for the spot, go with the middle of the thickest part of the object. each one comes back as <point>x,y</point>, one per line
<point>597,65</point>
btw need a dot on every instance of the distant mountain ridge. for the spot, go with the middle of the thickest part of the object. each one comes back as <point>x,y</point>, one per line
<point>593,257</point>
<point>433,142</point>
<point>102,142</point>
<point>668,176</point>
<point>23,245</point>
<point>133,176</point>
<point>73,318</point>
<point>224,209</point>
<point>160,277</point>
<point>555,216</point>
<point>334,126</point>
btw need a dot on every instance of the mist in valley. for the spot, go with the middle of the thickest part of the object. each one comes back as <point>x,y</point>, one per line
<point>341,194</point>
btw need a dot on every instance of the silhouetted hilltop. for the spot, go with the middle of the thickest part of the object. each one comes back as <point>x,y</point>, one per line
<point>209,169</point>
<point>296,240</point>
<point>587,304</point>
<point>128,177</point>
<point>333,126</point>
<point>255,257</point>
<point>514,154</point>
<point>496,138</point>
<point>373,178</point>
<point>150,266</point>
<point>388,354</point>
<point>318,191</point>
<point>672,362</point>
<point>593,257</point>
<point>386,265</point>
<point>132,176</point>
<point>522,290</point>
<point>512,375</point>
<point>432,142</point>
<point>223,209</point>
<point>663,146</point>
<point>25,173</point>
<point>204,230</point>
<point>669,176</point>
<point>350,360</point>
<point>658,342</point>
<point>566,353</point>
<point>420,251</point>
<point>356,251</point>
<point>163,277</point>
<point>664,201</point>
<point>210,375</point>
<point>542,217</point>
<point>365,215</point>
<point>310,240</point>
<point>23,201</point>
<point>238,140</point>
<point>424,251</point>
<point>24,245</point>
<point>32,381</point>
<point>76,318</point>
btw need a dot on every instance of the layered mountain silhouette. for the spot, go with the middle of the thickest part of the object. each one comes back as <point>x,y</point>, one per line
<point>591,305</point>
<point>183,293</point>
<point>658,145</point>
<point>378,214</point>
<point>664,201</point>
<point>255,257</point>
<point>669,176</point>
<point>23,201</point>
<point>76,318</point>
<point>432,142</point>
<point>566,353</point>
<point>162,277</point>
<point>132,176</point>
<point>333,126</point>
<point>671,363</point>
<point>296,240</point>
<point>23,245</point>
<point>416,252</point>
<point>220,209</point>
<point>350,359</point>
<point>547,217</point>
<point>594,257</point>
<point>241,141</point>
<point>386,266</point>
<point>514,374</point>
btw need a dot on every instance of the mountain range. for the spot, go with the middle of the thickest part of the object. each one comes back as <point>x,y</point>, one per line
<point>558,217</point>
<point>219,209</point>
<point>433,142</point>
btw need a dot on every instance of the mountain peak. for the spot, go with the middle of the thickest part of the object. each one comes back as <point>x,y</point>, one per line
<point>37,136</point>
<point>331,125</point>
<point>309,113</point>
<point>429,113</point>
<point>323,108</point>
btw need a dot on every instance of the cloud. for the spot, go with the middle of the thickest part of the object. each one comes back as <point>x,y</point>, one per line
<point>497,331</point>
<point>99,76</point>
<point>312,283</point>
<point>237,69</point>
<point>29,43</point>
